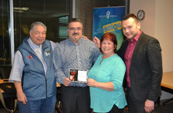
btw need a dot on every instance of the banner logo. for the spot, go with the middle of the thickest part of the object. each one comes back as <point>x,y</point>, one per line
<point>108,19</point>
<point>112,27</point>
<point>108,14</point>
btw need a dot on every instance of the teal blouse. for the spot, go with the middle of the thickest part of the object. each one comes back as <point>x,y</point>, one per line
<point>110,69</point>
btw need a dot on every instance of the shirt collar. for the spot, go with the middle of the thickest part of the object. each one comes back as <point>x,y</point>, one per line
<point>136,37</point>
<point>33,45</point>
<point>79,42</point>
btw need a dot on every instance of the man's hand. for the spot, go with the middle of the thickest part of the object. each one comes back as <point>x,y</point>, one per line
<point>67,82</point>
<point>21,97</point>
<point>85,37</point>
<point>149,106</point>
<point>96,41</point>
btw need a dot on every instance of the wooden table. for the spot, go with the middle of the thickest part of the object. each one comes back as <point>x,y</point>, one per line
<point>2,81</point>
<point>167,84</point>
<point>167,80</point>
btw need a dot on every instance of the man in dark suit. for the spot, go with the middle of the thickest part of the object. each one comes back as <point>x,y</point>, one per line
<point>142,56</point>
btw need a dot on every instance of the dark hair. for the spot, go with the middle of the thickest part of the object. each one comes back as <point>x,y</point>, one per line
<point>75,20</point>
<point>109,36</point>
<point>131,15</point>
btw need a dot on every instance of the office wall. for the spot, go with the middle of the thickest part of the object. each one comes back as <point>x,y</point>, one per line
<point>158,22</point>
<point>164,30</point>
<point>84,11</point>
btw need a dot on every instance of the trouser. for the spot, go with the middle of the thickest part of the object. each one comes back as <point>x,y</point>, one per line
<point>75,99</point>
<point>38,106</point>
<point>115,109</point>
<point>135,106</point>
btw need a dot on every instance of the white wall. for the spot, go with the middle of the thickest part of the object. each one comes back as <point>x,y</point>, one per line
<point>164,31</point>
<point>149,8</point>
<point>158,23</point>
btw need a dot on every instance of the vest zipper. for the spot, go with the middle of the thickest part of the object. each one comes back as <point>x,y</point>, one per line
<point>44,75</point>
<point>46,85</point>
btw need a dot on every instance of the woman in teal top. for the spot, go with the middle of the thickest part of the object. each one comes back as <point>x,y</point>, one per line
<point>106,78</point>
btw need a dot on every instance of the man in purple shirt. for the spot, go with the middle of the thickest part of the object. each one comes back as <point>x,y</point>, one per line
<point>142,56</point>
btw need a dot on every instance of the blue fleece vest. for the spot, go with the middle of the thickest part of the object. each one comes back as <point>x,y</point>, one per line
<point>36,84</point>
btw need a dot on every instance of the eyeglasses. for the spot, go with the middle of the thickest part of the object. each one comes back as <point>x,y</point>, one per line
<point>73,29</point>
<point>39,33</point>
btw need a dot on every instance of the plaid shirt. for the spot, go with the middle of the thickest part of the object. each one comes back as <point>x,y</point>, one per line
<point>68,56</point>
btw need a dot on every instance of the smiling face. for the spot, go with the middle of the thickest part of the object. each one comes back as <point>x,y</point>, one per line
<point>107,47</point>
<point>108,44</point>
<point>130,28</point>
<point>75,31</point>
<point>38,34</point>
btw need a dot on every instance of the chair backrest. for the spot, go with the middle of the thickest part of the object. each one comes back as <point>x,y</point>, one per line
<point>7,91</point>
<point>8,88</point>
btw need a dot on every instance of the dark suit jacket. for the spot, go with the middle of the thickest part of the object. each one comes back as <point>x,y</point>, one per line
<point>145,68</point>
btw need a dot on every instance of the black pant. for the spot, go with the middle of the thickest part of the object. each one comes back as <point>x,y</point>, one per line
<point>115,109</point>
<point>75,99</point>
<point>135,106</point>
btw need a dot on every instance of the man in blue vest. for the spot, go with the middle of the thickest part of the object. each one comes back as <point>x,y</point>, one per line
<point>33,72</point>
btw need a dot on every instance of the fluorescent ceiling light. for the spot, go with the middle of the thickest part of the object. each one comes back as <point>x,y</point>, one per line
<point>20,9</point>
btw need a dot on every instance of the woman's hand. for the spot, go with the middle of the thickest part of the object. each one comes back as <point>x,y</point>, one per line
<point>91,82</point>
<point>108,86</point>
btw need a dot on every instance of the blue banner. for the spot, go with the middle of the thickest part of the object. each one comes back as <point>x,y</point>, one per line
<point>108,20</point>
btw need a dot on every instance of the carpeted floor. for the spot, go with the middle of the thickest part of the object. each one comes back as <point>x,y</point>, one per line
<point>168,108</point>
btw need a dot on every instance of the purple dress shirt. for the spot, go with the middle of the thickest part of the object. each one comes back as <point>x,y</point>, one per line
<point>128,55</point>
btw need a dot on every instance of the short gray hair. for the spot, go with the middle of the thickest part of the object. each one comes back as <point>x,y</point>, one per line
<point>36,24</point>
